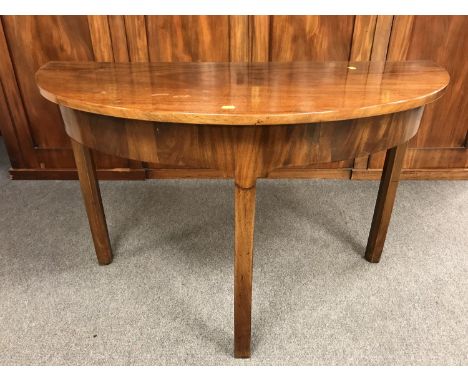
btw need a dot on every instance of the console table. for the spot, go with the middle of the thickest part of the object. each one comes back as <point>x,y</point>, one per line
<point>244,119</point>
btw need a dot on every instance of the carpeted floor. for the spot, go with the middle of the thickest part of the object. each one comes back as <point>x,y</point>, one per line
<point>167,297</point>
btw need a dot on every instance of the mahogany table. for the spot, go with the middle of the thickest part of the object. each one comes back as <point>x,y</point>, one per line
<point>244,120</point>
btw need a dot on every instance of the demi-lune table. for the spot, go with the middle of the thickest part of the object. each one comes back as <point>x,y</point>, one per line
<point>244,120</point>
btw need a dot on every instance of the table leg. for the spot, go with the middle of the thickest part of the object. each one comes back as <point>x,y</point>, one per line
<point>385,199</point>
<point>244,234</point>
<point>92,199</point>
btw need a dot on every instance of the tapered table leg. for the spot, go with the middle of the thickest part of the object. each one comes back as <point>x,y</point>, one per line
<point>385,199</point>
<point>244,233</point>
<point>92,199</point>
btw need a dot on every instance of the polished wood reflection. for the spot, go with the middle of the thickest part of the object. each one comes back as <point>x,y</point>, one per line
<point>242,93</point>
<point>243,121</point>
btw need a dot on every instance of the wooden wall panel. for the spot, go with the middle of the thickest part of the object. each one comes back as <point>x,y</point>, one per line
<point>363,38</point>
<point>137,41</point>
<point>33,41</point>
<point>443,39</point>
<point>188,38</point>
<point>14,122</point>
<point>9,133</point>
<point>444,123</point>
<point>118,38</point>
<point>318,38</point>
<point>259,30</point>
<point>239,39</point>
<point>101,38</point>
<point>33,129</point>
<point>383,28</point>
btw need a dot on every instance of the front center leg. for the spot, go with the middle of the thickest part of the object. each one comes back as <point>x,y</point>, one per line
<point>243,261</point>
<point>248,167</point>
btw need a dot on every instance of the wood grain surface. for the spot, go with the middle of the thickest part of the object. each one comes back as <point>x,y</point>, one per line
<point>315,38</point>
<point>213,146</point>
<point>242,94</point>
<point>188,38</point>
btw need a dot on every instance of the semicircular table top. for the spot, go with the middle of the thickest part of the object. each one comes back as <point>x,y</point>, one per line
<point>242,93</point>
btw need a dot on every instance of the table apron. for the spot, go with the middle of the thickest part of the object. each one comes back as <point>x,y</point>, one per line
<point>240,151</point>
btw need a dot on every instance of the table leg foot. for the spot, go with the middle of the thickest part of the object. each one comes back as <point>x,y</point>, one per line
<point>385,199</point>
<point>92,199</point>
<point>244,234</point>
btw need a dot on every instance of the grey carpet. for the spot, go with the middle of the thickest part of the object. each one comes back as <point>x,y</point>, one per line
<point>167,297</point>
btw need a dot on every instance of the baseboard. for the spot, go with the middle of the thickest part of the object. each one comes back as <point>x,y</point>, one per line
<point>182,173</point>
<point>415,174</point>
<point>71,174</point>
<point>142,174</point>
<point>307,173</point>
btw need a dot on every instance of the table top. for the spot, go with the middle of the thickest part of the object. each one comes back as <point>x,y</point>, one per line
<point>242,93</point>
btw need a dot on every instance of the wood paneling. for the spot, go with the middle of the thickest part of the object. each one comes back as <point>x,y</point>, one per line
<point>259,38</point>
<point>20,137</point>
<point>118,38</point>
<point>137,42</point>
<point>34,131</point>
<point>10,138</point>
<point>33,41</point>
<point>443,39</point>
<point>101,38</point>
<point>317,38</point>
<point>239,40</point>
<point>383,29</point>
<point>188,38</point>
<point>363,38</point>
